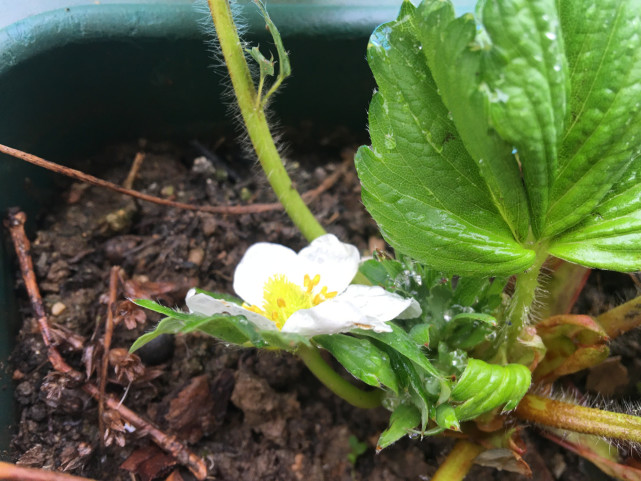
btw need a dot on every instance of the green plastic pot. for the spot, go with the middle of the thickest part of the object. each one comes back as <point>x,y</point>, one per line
<point>78,74</point>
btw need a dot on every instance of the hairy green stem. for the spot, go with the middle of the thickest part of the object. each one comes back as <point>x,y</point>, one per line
<point>335,383</point>
<point>563,415</point>
<point>459,462</point>
<point>524,295</point>
<point>256,122</point>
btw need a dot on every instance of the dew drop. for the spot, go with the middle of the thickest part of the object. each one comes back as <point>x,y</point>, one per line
<point>551,35</point>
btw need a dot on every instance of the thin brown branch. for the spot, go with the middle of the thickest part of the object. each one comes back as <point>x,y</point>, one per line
<point>329,181</point>
<point>231,209</point>
<point>109,329</point>
<point>11,472</point>
<point>133,172</point>
<point>81,176</point>
<point>170,444</point>
<point>15,224</point>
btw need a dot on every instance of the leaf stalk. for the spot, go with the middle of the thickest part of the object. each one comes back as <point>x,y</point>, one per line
<point>525,295</point>
<point>335,383</point>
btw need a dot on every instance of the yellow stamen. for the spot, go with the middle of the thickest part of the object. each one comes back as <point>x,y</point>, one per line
<point>281,298</point>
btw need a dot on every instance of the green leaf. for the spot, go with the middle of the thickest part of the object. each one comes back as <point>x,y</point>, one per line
<point>165,326</point>
<point>167,311</point>
<point>468,329</point>
<point>284,340</point>
<point>412,383</point>
<point>483,387</point>
<point>419,182</point>
<point>454,49</point>
<point>361,358</point>
<point>233,329</point>
<point>220,295</point>
<point>404,418</point>
<point>603,47</point>
<point>375,272</point>
<point>610,238</point>
<point>526,83</point>
<point>400,341</point>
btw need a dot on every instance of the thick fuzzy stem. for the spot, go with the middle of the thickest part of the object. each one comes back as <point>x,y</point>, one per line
<point>524,295</point>
<point>563,415</point>
<point>256,122</point>
<point>335,383</point>
<point>459,462</point>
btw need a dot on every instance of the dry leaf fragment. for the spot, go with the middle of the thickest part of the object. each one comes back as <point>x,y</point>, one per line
<point>62,392</point>
<point>130,314</point>
<point>149,463</point>
<point>73,456</point>
<point>128,367</point>
<point>190,412</point>
<point>114,428</point>
<point>142,288</point>
<point>63,336</point>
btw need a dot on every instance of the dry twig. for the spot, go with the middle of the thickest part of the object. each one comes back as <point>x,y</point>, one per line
<point>11,472</point>
<point>133,172</point>
<point>232,209</point>
<point>109,329</point>
<point>170,444</point>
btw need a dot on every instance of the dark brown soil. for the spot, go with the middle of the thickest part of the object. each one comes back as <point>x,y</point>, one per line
<point>251,415</point>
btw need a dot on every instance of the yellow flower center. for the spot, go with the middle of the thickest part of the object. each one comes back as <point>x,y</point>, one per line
<point>281,297</point>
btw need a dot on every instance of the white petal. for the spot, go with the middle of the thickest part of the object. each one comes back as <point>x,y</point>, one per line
<point>335,262</point>
<point>377,303</point>
<point>328,317</point>
<point>208,306</point>
<point>260,262</point>
<point>365,307</point>
<point>413,311</point>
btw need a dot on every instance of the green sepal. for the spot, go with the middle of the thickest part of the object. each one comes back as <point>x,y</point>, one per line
<point>468,329</point>
<point>410,382</point>
<point>220,295</point>
<point>402,421</point>
<point>232,329</point>
<point>446,417</point>
<point>360,358</point>
<point>401,342</point>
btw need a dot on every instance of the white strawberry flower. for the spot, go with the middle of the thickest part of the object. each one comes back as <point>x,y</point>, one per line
<point>308,293</point>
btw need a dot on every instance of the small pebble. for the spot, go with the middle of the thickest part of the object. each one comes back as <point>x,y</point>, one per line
<point>167,191</point>
<point>208,224</point>
<point>202,165</point>
<point>245,194</point>
<point>58,308</point>
<point>196,256</point>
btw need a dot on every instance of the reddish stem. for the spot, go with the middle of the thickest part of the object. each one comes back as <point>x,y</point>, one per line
<point>581,419</point>
<point>622,318</point>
